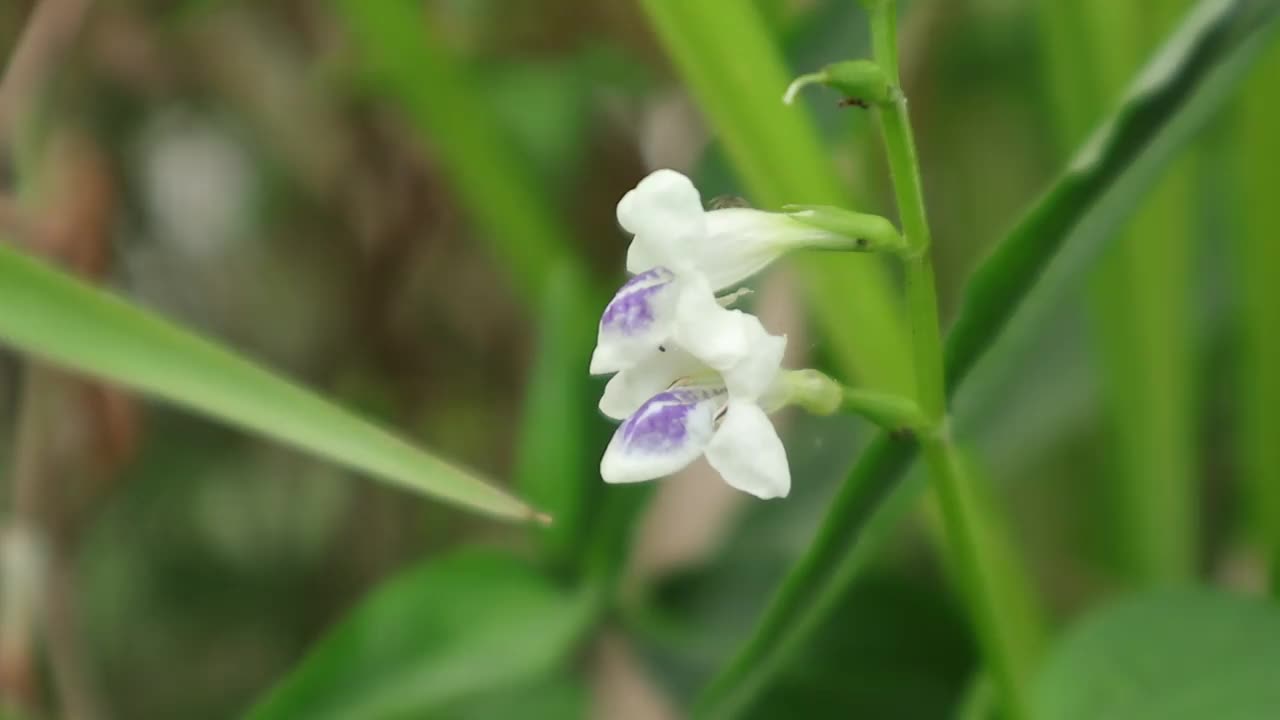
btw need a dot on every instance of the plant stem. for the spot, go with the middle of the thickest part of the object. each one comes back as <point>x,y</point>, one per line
<point>960,517</point>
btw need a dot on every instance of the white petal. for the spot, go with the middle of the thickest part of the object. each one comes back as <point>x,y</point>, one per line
<point>665,213</point>
<point>640,317</point>
<point>750,377</point>
<point>667,433</point>
<point>629,389</point>
<point>711,333</point>
<point>640,257</point>
<point>739,242</point>
<point>748,454</point>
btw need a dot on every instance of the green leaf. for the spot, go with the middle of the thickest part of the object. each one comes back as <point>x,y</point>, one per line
<point>1185,655</point>
<point>731,64</point>
<point>1188,78</point>
<point>1140,300</point>
<point>555,462</point>
<point>58,318</point>
<point>1256,269</point>
<point>405,58</point>
<point>472,623</point>
<point>556,697</point>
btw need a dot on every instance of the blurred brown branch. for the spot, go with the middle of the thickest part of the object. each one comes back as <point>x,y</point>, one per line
<point>72,437</point>
<point>46,36</point>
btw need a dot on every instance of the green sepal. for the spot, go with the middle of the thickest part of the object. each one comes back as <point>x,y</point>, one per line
<point>870,233</point>
<point>862,82</point>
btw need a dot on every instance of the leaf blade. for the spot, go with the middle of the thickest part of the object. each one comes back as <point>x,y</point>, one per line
<point>54,316</point>
<point>465,625</point>
<point>1172,655</point>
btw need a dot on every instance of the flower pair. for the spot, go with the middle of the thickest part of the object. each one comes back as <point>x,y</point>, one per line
<point>692,376</point>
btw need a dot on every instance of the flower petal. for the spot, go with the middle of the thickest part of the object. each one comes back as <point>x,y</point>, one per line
<point>630,388</point>
<point>636,321</point>
<point>667,433</point>
<point>752,376</point>
<point>739,243</point>
<point>665,213</point>
<point>711,333</point>
<point>748,454</point>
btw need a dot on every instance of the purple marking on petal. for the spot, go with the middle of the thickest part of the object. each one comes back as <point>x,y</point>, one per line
<point>631,310</point>
<point>661,424</point>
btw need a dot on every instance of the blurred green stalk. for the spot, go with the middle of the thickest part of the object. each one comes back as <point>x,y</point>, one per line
<point>1258,273</point>
<point>727,57</point>
<point>1140,299</point>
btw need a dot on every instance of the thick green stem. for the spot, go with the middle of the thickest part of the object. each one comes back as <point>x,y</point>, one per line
<point>961,521</point>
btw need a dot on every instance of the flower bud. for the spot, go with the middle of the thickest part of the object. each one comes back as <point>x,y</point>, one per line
<point>861,81</point>
<point>867,233</point>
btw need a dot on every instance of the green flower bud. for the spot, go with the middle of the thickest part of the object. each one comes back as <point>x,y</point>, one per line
<point>869,233</point>
<point>862,82</point>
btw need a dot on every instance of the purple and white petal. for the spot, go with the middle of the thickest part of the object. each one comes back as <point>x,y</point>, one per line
<point>747,453</point>
<point>636,321</point>
<point>666,434</point>
<point>630,388</point>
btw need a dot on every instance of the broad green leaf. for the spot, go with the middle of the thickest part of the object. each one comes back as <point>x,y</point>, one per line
<point>731,64</point>
<point>51,315</point>
<point>1184,655</point>
<point>1189,77</point>
<point>555,461</point>
<point>453,628</point>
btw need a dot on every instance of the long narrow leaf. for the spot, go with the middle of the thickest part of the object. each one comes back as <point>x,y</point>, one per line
<point>1201,63</point>
<point>58,318</point>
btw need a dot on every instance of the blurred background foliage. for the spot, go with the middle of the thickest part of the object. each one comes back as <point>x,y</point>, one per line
<point>409,206</point>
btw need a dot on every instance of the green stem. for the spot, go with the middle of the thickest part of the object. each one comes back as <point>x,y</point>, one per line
<point>975,569</point>
<point>960,518</point>
<point>889,411</point>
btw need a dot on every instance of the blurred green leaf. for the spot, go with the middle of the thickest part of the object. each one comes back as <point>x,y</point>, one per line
<point>729,60</point>
<point>406,58</point>
<point>475,622</point>
<point>1218,41</point>
<point>1185,655</point>
<point>56,317</point>
<point>1009,622</point>
<point>1140,300</point>
<point>1186,80</point>
<point>555,460</point>
<point>555,697</point>
<point>1258,277</point>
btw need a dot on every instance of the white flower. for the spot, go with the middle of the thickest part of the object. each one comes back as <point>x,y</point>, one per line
<point>691,374</point>
<point>680,256</point>
<point>673,231</point>
<point>659,327</point>
<point>715,412</point>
